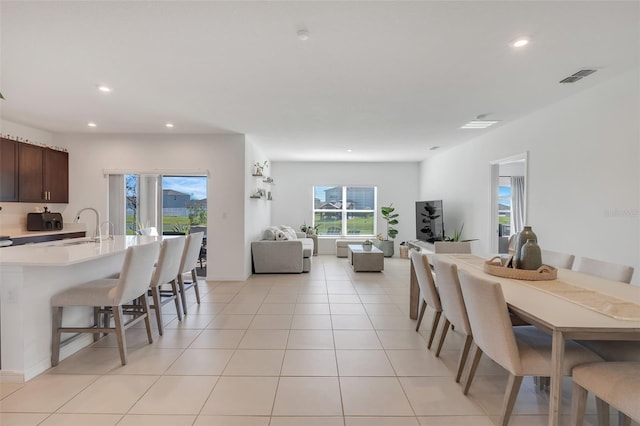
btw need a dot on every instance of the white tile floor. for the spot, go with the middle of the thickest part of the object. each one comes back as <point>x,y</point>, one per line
<point>331,347</point>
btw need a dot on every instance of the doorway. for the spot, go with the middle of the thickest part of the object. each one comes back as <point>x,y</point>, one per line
<point>508,199</point>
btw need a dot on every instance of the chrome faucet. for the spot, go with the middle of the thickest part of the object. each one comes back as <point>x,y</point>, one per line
<point>97,236</point>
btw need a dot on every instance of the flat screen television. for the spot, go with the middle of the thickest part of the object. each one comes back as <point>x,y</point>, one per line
<point>429,221</point>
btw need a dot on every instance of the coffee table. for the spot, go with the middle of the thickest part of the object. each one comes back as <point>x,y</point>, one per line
<point>361,260</point>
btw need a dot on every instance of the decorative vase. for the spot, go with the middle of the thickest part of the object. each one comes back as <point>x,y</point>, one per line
<point>521,239</point>
<point>387,247</point>
<point>530,256</point>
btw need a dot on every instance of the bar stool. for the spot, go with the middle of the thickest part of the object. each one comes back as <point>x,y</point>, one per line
<point>190,256</point>
<point>109,295</point>
<point>167,273</point>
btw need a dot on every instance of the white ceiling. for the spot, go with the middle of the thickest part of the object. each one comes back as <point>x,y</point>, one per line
<point>388,80</point>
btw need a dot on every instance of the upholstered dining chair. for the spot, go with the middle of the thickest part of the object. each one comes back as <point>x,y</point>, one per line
<point>461,247</point>
<point>612,383</point>
<point>557,259</point>
<point>428,292</point>
<point>453,308</point>
<point>600,268</point>
<point>110,294</point>
<point>522,351</point>
<point>188,265</point>
<point>166,272</point>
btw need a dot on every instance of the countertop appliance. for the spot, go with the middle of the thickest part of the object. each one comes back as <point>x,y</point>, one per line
<point>46,221</point>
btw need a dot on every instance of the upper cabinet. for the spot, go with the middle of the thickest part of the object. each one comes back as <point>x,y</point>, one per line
<point>8,170</point>
<point>33,174</point>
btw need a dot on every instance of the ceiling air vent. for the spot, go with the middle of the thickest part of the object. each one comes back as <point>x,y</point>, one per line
<point>577,76</point>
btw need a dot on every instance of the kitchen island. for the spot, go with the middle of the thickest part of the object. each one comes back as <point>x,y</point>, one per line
<point>29,276</point>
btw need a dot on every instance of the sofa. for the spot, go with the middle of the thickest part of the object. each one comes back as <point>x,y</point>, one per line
<point>282,251</point>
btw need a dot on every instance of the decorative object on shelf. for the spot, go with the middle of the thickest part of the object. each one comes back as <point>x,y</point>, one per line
<point>521,239</point>
<point>385,243</point>
<point>530,256</point>
<point>259,167</point>
<point>268,180</point>
<point>494,266</point>
<point>366,245</point>
<point>269,196</point>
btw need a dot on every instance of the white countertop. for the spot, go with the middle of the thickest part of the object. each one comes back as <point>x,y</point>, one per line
<point>70,251</point>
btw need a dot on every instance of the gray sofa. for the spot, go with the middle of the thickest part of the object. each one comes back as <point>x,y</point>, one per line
<point>282,256</point>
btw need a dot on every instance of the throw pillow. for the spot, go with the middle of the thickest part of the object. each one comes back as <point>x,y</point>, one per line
<point>269,234</point>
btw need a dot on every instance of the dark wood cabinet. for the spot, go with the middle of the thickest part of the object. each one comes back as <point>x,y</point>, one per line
<point>56,175</point>
<point>43,174</point>
<point>8,170</point>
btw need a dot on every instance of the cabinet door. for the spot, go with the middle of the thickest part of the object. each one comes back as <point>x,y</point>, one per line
<point>30,168</point>
<point>8,170</point>
<point>56,176</point>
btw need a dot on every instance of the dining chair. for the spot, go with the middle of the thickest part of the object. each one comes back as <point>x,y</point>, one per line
<point>110,295</point>
<point>522,351</point>
<point>614,350</point>
<point>612,383</point>
<point>600,268</point>
<point>453,309</point>
<point>428,291</point>
<point>461,247</point>
<point>188,265</point>
<point>557,259</point>
<point>166,272</point>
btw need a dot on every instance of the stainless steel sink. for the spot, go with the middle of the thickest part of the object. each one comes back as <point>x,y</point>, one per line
<point>74,243</point>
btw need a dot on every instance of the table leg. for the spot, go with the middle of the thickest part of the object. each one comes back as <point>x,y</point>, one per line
<point>414,294</point>
<point>555,392</point>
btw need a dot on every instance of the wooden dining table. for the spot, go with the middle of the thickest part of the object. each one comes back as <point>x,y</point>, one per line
<point>562,314</point>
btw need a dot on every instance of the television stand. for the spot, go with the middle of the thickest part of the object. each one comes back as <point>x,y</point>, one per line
<point>422,246</point>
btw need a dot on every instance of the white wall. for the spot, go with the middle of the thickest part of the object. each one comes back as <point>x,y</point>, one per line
<point>258,211</point>
<point>223,156</point>
<point>583,174</point>
<point>293,192</point>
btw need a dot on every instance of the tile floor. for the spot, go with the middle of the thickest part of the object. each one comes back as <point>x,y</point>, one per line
<point>331,347</point>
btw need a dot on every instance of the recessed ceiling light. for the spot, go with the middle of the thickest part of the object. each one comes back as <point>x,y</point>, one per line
<point>479,124</point>
<point>91,124</point>
<point>169,125</point>
<point>303,35</point>
<point>104,89</point>
<point>520,42</point>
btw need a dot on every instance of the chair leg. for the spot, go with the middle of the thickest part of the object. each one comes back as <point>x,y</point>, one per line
<point>157,307</point>
<point>463,357</point>
<point>55,335</point>
<point>96,322</point>
<point>603,412</point>
<point>176,297</point>
<point>182,295</point>
<point>443,334</point>
<point>623,419</point>
<point>472,369</point>
<point>194,276</point>
<point>119,327</point>
<point>434,328</point>
<point>578,404</point>
<point>513,386</point>
<point>147,322</point>
<point>423,308</point>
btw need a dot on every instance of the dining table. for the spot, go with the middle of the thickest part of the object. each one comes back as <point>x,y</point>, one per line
<point>573,306</point>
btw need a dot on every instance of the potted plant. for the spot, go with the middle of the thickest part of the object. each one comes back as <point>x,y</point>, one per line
<point>309,230</point>
<point>385,243</point>
<point>457,236</point>
<point>366,245</point>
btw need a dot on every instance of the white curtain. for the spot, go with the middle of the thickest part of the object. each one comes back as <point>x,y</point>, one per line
<point>517,204</point>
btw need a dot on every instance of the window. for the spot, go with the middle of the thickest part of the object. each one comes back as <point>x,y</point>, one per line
<point>345,210</point>
<point>504,206</point>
